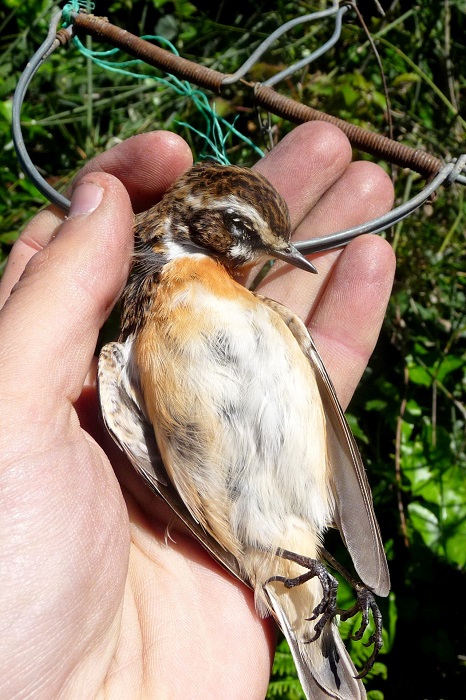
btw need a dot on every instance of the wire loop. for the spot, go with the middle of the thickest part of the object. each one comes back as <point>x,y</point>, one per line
<point>49,45</point>
<point>454,171</point>
<point>266,44</point>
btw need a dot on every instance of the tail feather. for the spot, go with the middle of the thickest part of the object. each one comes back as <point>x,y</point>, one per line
<point>324,667</point>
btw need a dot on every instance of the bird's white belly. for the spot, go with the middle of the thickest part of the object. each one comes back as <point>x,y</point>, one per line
<point>251,438</point>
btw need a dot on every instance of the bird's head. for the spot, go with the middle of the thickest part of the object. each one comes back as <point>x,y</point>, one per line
<point>231,213</point>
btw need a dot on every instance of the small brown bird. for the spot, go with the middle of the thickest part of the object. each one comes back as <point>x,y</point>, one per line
<point>221,402</point>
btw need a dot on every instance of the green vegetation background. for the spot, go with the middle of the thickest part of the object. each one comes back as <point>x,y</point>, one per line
<point>409,413</point>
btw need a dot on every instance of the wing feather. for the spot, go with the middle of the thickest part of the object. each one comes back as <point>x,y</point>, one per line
<point>354,516</point>
<point>125,420</point>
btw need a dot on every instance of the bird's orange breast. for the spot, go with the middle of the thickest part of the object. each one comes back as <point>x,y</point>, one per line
<point>188,270</point>
<point>184,283</point>
<point>195,298</point>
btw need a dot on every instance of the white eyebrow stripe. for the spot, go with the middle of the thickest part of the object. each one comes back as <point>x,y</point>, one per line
<point>238,206</point>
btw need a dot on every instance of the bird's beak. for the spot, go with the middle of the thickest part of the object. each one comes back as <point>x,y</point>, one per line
<point>291,255</point>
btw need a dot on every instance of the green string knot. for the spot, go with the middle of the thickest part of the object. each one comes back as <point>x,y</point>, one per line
<point>73,7</point>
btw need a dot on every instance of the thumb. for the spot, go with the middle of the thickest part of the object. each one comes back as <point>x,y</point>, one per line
<point>49,324</point>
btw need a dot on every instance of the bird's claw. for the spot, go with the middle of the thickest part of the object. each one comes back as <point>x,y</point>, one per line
<point>364,604</point>
<point>327,608</point>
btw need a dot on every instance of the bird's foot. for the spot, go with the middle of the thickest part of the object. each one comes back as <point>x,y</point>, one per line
<point>365,604</point>
<point>327,608</point>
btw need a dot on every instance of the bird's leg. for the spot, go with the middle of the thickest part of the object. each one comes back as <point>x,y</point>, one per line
<point>327,607</point>
<point>365,602</point>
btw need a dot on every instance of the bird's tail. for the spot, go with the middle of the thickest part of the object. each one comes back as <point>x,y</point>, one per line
<point>323,665</point>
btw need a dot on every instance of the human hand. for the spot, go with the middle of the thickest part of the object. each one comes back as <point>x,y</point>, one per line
<point>95,599</point>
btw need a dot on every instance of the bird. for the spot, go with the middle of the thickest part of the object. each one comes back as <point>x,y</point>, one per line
<point>224,407</point>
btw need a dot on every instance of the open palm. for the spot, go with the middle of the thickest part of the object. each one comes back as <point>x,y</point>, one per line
<point>102,592</point>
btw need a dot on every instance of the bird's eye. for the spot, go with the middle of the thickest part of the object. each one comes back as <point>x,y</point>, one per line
<point>237,225</point>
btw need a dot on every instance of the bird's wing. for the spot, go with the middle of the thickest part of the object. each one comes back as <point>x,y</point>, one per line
<point>354,516</point>
<point>127,424</point>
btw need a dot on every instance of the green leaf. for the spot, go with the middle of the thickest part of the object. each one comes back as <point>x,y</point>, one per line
<point>406,78</point>
<point>413,408</point>
<point>426,523</point>
<point>350,96</point>
<point>6,110</point>
<point>375,695</point>
<point>449,364</point>
<point>8,237</point>
<point>376,405</point>
<point>419,375</point>
<point>455,547</point>
<point>356,428</point>
<point>379,100</point>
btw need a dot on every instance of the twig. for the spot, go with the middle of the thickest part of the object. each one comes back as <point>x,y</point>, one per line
<point>399,424</point>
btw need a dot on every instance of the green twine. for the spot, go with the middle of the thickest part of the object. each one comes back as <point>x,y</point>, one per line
<point>73,7</point>
<point>217,129</point>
